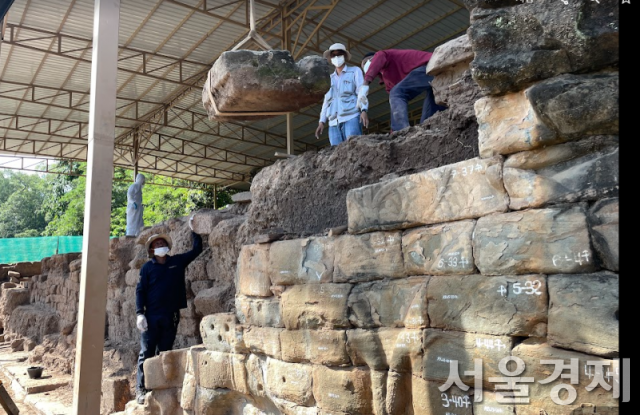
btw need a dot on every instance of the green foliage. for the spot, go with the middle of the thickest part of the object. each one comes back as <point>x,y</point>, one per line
<point>53,205</point>
<point>21,211</point>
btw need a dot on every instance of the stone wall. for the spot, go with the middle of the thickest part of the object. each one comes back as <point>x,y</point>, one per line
<point>510,257</point>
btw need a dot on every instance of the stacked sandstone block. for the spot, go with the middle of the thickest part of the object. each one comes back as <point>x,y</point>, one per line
<point>436,267</point>
<point>512,255</point>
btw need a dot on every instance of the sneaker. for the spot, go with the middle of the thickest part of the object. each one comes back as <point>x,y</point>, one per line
<point>140,396</point>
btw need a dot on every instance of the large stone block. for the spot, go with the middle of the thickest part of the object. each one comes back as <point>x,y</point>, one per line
<point>343,390</point>
<point>263,81</point>
<point>253,275</point>
<point>264,340</point>
<point>576,171</point>
<point>603,219</point>
<point>368,257</point>
<point>165,370</point>
<point>533,352</point>
<point>301,261</point>
<point>222,402</point>
<point>441,347</point>
<point>205,220</point>
<point>583,313</point>
<point>500,305</point>
<point>314,306</point>
<point>509,124</point>
<point>290,381</point>
<point>464,190</point>
<point>517,46</point>
<point>164,402</point>
<point>399,350</point>
<point>552,240</point>
<point>452,80</point>
<point>115,394</point>
<point>221,333</point>
<point>263,312</point>
<point>427,399</point>
<point>439,250</point>
<point>256,369</point>
<point>220,370</point>
<point>324,347</point>
<point>390,303</point>
<point>490,405</point>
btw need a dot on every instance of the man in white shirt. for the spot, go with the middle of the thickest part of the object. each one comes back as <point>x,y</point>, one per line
<point>346,115</point>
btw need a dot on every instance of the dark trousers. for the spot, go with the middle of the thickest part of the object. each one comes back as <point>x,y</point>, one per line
<point>414,84</point>
<point>158,338</point>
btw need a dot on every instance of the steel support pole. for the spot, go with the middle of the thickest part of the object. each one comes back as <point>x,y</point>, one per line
<point>289,133</point>
<point>95,244</point>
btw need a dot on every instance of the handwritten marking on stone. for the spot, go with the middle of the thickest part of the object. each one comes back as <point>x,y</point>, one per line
<point>493,409</point>
<point>285,272</point>
<point>529,288</point>
<point>337,295</point>
<point>323,348</point>
<point>487,197</point>
<point>333,395</point>
<point>443,359</point>
<point>453,261</point>
<point>456,400</point>
<point>467,169</point>
<point>490,343</point>
<point>449,297</point>
<point>378,250</point>
<point>577,257</point>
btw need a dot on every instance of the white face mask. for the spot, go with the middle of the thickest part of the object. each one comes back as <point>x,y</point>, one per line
<point>366,66</point>
<point>337,61</point>
<point>161,251</point>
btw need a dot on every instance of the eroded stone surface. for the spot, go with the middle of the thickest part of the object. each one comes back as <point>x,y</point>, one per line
<point>253,275</point>
<point>515,46</point>
<point>368,257</point>
<point>552,240</point>
<point>324,347</point>
<point>576,171</point>
<point>301,261</point>
<point>315,306</point>
<point>439,250</point>
<point>583,313</point>
<point>263,81</point>
<point>464,190</point>
<point>441,347</point>
<point>342,390</point>
<point>499,305</point>
<point>533,351</point>
<point>605,232</point>
<point>395,303</point>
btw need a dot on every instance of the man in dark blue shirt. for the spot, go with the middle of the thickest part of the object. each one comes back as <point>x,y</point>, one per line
<point>160,294</point>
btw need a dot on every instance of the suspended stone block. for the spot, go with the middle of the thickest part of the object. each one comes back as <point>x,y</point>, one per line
<point>249,85</point>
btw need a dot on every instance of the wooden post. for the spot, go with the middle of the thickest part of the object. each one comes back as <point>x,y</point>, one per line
<point>6,402</point>
<point>87,383</point>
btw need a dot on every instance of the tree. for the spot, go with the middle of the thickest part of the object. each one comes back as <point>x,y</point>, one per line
<point>21,213</point>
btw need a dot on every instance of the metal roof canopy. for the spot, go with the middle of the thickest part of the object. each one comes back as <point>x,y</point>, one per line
<point>166,48</point>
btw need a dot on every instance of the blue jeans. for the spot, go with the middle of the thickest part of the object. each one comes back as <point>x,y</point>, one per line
<point>415,83</point>
<point>343,130</point>
<point>158,338</point>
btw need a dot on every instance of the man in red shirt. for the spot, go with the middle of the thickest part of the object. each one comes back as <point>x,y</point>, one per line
<point>404,74</point>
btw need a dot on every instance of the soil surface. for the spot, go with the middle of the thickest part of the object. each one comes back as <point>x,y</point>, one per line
<point>15,380</point>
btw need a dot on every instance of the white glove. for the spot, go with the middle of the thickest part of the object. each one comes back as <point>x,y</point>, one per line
<point>191,222</point>
<point>363,102</point>
<point>142,323</point>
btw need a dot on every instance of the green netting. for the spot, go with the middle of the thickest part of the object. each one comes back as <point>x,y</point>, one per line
<point>34,249</point>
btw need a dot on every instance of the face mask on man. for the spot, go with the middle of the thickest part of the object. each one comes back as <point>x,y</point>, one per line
<point>161,251</point>
<point>337,61</point>
<point>366,66</point>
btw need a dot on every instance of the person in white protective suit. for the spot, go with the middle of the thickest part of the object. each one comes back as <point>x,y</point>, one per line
<point>134,207</point>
